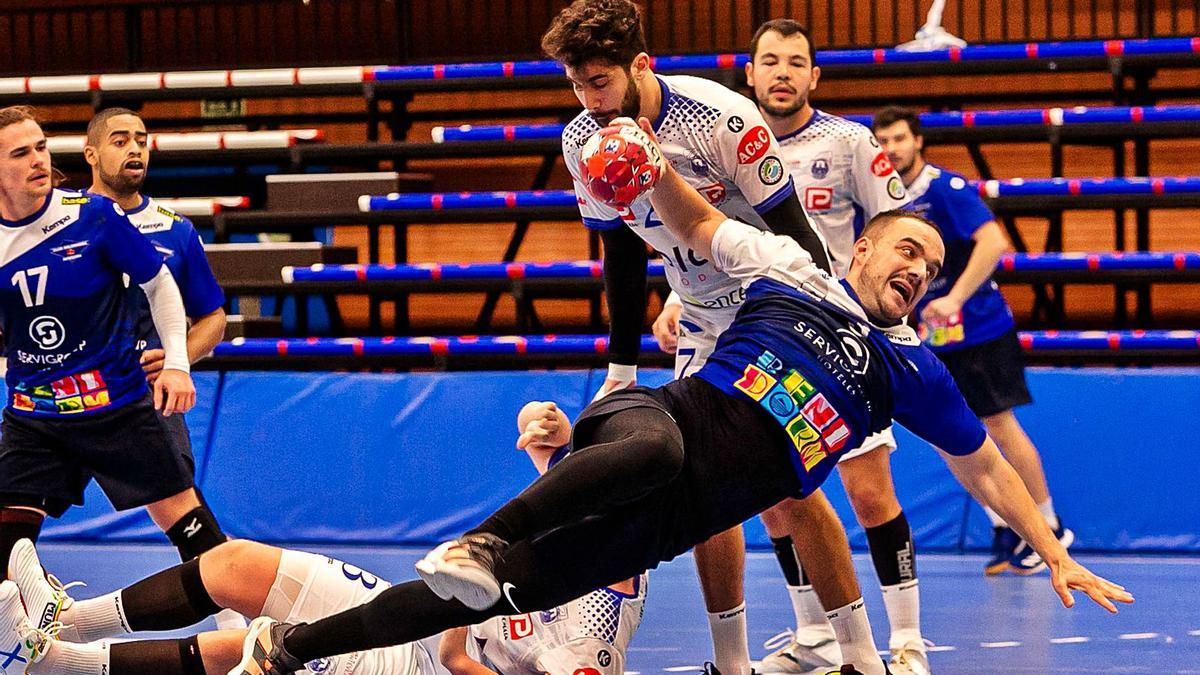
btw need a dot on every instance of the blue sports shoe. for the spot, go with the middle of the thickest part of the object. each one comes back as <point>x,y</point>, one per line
<point>1005,543</point>
<point>1025,560</point>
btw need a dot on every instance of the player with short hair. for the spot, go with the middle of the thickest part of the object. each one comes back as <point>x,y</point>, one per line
<point>118,150</point>
<point>721,145</point>
<point>967,323</point>
<point>653,472</point>
<point>589,635</point>
<point>79,407</point>
<point>845,179</point>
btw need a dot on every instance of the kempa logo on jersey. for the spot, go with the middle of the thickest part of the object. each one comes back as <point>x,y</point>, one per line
<point>47,229</point>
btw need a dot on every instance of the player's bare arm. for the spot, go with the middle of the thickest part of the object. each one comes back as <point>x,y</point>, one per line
<point>204,335</point>
<point>992,480</point>
<point>990,244</point>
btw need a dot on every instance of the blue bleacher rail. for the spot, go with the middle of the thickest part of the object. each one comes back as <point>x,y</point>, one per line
<point>1027,117</point>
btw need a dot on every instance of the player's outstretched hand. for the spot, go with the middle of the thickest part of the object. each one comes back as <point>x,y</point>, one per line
<point>666,328</point>
<point>1068,575</point>
<point>174,392</point>
<point>542,424</point>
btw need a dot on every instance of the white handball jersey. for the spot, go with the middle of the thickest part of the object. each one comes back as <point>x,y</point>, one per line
<point>587,636</point>
<point>719,143</point>
<point>843,179</point>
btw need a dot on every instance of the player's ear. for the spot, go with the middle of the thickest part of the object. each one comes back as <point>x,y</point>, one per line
<point>750,73</point>
<point>920,142</point>
<point>640,65</point>
<point>816,75</point>
<point>89,154</point>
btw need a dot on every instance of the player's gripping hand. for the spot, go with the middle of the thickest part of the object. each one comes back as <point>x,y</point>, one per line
<point>152,363</point>
<point>174,392</point>
<point>1068,575</point>
<point>941,309</point>
<point>619,377</point>
<point>542,426</point>
<point>666,327</point>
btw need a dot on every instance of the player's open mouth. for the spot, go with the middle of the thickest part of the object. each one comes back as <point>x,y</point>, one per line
<point>902,288</point>
<point>135,166</point>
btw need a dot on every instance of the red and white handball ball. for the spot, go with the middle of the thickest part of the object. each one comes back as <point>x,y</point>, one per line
<point>620,163</point>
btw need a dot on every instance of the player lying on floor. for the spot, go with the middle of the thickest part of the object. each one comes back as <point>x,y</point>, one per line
<point>588,635</point>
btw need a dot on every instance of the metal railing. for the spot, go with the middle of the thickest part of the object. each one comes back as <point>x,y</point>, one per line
<point>96,36</point>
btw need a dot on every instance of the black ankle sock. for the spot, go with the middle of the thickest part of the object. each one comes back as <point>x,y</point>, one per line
<point>173,598</point>
<point>195,533</point>
<point>892,551</point>
<point>156,657</point>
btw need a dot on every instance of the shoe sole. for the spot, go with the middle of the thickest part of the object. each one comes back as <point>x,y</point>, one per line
<point>251,649</point>
<point>472,587</point>
<point>996,568</point>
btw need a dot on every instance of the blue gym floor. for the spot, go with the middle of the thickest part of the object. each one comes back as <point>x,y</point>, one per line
<point>1000,625</point>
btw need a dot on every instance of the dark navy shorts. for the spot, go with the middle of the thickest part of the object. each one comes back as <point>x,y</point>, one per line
<point>137,456</point>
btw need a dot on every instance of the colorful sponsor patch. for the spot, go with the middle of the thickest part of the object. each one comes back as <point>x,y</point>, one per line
<point>811,422</point>
<point>70,395</point>
<point>75,201</point>
<point>169,214</point>
<point>818,198</point>
<point>895,188</point>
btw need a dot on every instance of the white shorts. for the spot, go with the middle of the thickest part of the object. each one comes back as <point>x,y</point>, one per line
<point>699,328</point>
<point>309,587</point>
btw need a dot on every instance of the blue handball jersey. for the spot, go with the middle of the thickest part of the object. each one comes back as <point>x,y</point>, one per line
<point>183,252</point>
<point>803,348</point>
<point>68,328</point>
<point>948,199</point>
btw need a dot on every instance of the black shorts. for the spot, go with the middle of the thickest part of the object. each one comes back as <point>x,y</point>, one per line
<point>991,375</point>
<point>132,452</point>
<point>735,465</point>
<point>736,458</point>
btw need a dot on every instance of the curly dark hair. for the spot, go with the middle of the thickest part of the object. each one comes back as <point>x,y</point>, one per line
<point>595,30</point>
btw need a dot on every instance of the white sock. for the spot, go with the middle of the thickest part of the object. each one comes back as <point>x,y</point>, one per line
<point>903,604</point>
<point>1047,510</point>
<point>731,648</point>
<point>997,521</point>
<point>853,631</point>
<point>810,615</point>
<point>95,619</point>
<point>65,658</point>
<point>227,619</point>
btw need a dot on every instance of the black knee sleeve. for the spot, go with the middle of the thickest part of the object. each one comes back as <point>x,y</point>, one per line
<point>785,553</point>
<point>173,598</point>
<point>196,533</point>
<point>892,551</point>
<point>157,657</point>
<point>15,525</point>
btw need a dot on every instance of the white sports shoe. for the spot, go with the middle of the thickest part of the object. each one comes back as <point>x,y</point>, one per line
<point>796,654</point>
<point>29,644</point>
<point>909,659</point>
<point>469,575</point>
<point>45,596</point>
